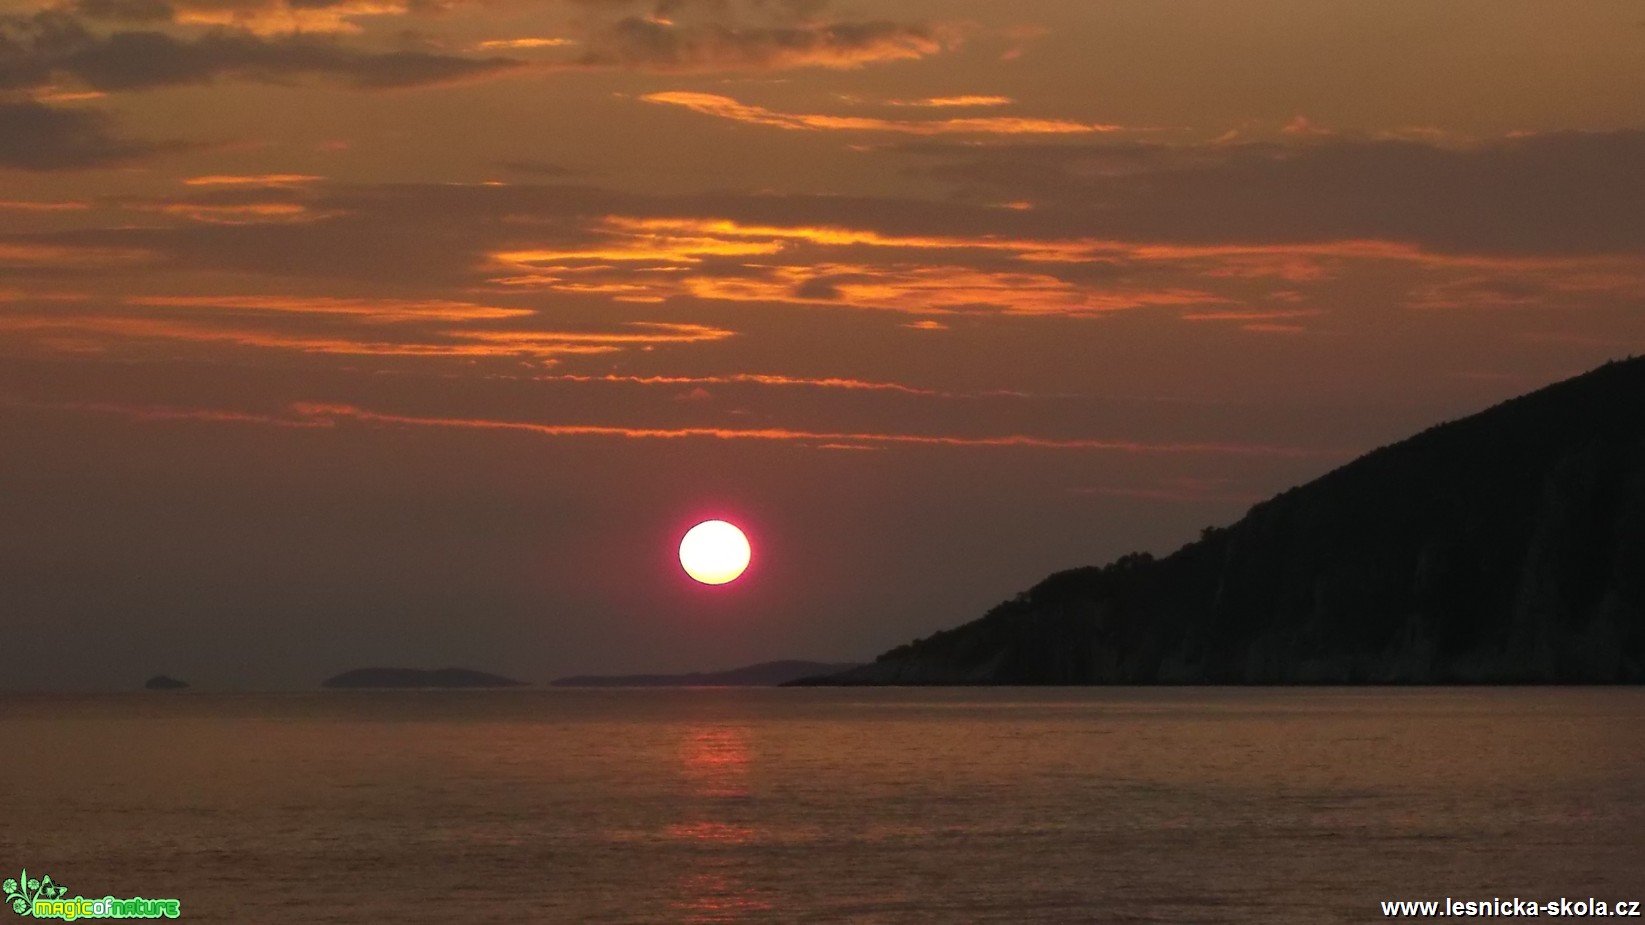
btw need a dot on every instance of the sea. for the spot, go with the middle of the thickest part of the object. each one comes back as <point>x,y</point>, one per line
<point>1101,805</point>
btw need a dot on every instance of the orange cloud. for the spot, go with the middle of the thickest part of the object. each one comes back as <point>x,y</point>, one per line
<point>719,230</point>
<point>724,107</point>
<point>649,249</point>
<point>1252,315</point>
<point>828,382</point>
<point>528,42</point>
<point>654,43</point>
<point>651,259</point>
<point>32,206</point>
<point>264,179</point>
<point>655,333</point>
<point>350,412</point>
<point>367,309</point>
<point>936,102</point>
<point>936,290</point>
<point>445,344</point>
<point>65,256</point>
<point>255,213</point>
<point>163,413</point>
<point>279,18</point>
<point>54,95</point>
<point>326,414</point>
<point>663,247</point>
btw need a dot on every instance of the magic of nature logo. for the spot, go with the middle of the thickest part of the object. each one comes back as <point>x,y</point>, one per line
<point>41,898</point>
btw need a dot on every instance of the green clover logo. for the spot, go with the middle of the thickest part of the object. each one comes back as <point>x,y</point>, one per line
<point>22,892</point>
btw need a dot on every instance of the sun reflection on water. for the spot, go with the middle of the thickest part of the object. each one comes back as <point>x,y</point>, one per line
<point>714,763</point>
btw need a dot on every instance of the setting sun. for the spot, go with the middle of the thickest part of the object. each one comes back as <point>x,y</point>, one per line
<point>714,552</point>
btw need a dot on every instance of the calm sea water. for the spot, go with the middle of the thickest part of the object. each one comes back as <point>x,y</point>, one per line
<point>866,806</point>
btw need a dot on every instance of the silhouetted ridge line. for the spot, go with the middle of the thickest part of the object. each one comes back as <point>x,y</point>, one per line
<point>417,677</point>
<point>1505,547</point>
<point>765,674</point>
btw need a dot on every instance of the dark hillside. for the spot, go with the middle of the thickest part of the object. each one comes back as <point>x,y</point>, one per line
<point>1504,547</point>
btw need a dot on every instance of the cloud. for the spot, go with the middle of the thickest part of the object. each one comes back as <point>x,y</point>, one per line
<point>257,180</point>
<point>375,310</point>
<point>284,17</point>
<point>829,382</point>
<point>71,205</point>
<point>523,43</point>
<point>52,45</point>
<point>61,256</point>
<point>1019,441</point>
<point>652,44</point>
<point>250,213</point>
<point>1565,192</point>
<point>725,107</point>
<point>448,343</point>
<point>939,289</point>
<point>1251,314</point>
<point>935,102</point>
<point>326,414</point>
<point>126,10</point>
<point>43,138</point>
<point>820,265</point>
<point>158,413</point>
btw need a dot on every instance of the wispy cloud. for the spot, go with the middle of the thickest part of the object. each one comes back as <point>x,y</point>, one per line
<point>771,379</point>
<point>231,321</point>
<point>934,102</point>
<point>318,414</point>
<point>70,256</point>
<point>527,42</point>
<point>1024,441</point>
<point>662,45</point>
<point>1252,314</point>
<point>815,265</point>
<point>272,17</point>
<point>724,107</point>
<point>280,180</point>
<point>751,378</point>
<point>53,45</point>
<point>246,213</point>
<point>69,205</point>
<point>380,310</point>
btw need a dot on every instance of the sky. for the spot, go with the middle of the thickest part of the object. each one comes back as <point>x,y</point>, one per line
<point>338,333</point>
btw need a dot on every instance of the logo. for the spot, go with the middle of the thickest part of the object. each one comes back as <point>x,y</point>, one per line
<point>43,899</point>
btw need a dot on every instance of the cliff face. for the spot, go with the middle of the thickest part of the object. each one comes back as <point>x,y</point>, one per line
<point>1504,547</point>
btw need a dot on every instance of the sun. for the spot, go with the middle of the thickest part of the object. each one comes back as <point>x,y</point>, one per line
<point>714,552</point>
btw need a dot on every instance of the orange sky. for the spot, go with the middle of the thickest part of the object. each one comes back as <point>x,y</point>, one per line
<point>417,331</point>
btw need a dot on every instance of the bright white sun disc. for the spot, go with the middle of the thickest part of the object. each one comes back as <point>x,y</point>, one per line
<point>714,552</point>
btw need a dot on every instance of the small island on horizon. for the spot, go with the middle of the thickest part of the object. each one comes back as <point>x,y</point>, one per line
<point>417,678</point>
<point>163,682</point>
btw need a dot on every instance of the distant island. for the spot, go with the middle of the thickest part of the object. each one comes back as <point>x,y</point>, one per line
<point>765,674</point>
<point>1507,547</point>
<point>162,682</point>
<point>377,678</point>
